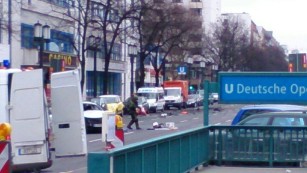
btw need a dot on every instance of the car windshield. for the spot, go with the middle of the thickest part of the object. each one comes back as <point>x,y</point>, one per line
<point>148,95</point>
<point>172,92</point>
<point>110,100</point>
<point>87,107</point>
<point>191,96</point>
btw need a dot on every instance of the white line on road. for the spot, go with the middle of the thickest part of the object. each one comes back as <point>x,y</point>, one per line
<point>183,121</point>
<point>217,124</point>
<point>128,133</point>
<point>228,120</point>
<point>98,140</point>
<point>95,140</point>
<point>195,118</point>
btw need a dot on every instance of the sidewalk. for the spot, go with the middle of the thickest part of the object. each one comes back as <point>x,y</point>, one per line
<point>234,169</point>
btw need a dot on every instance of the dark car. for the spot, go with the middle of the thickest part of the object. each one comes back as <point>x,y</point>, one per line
<point>248,110</point>
<point>193,100</point>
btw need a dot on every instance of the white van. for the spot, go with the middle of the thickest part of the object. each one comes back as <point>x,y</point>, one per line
<point>155,97</point>
<point>23,105</point>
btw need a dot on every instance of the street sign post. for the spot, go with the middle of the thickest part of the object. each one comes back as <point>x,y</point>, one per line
<point>283,87</point>
<point>182,70</point>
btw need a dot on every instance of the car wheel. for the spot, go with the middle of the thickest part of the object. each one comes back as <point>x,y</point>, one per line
<point>179,107</point>
<point>195,105</point>
<point>154,110</point>
<point>162,109</point>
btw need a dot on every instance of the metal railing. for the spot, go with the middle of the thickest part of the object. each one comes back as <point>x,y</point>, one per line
<point>258,144</point>
<point>184,151</point>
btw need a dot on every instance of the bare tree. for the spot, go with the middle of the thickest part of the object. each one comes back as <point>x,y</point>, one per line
<point>265,58</point>
<point>162,28</point>
<point>226,43</point>
<point>106,19</point>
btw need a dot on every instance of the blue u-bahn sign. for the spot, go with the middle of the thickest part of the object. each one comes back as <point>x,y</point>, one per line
<point>242,87</point>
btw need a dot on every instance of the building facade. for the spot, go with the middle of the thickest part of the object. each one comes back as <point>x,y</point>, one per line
<point>19,48</point>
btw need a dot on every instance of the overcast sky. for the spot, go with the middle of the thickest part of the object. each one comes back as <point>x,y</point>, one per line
<point>286,18</point>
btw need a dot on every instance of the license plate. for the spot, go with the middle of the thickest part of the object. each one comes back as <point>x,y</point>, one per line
<point>30,150</point>
<point>97,125</point>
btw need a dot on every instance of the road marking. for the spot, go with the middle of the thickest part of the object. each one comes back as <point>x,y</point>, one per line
<point>128,133</point>
<point>95,140</point>
<point>98,140</point>
<point>217,124</point>
<point>183,121</point>
<point>195,118</point>
<point>228,120</point>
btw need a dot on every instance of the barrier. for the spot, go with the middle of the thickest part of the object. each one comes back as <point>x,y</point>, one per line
<point>5,160</point>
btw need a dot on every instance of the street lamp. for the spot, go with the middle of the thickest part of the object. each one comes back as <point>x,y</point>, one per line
<point>132,52</point>
<point>41,35</point>
<point>94,45</point>
<point>213,71</point>
<point>202,66</point>
<point>189,62</point>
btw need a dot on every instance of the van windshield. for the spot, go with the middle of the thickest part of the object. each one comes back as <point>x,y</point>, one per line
<point>148,95</point>
<point>172,92</point>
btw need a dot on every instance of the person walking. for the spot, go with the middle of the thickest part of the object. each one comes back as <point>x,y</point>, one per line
<point>132,110</point>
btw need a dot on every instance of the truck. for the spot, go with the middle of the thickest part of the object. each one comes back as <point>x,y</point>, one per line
<point>176,93</point>
<point>23,104</point>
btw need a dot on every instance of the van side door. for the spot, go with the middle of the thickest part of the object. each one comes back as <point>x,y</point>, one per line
<point>28,118</point>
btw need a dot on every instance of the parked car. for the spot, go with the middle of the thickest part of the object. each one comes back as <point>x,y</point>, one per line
<point>213,98</point>
<point>193,100</point>
<point>92,115</point>
<point>248,110</point>
<point>142,104</point>
<point>109,102</point>
<point>254,136</point>
<point>286,118</point>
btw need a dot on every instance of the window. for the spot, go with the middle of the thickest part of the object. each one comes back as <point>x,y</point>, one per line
<point>63,39</point>
<point>196,11</point>
<point>258,121</point>
<point>63,3</point>
<point>281,121</point>
<point>116,52</point>
<point>27,36</point>
<point>177,1</point>
<point>98,10</point>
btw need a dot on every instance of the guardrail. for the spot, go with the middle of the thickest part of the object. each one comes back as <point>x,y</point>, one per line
<point>179,152</point>
<point>258,144</point>
<point>182,152</point>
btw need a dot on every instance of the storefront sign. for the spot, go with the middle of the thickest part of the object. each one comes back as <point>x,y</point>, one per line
<point>70,60</point>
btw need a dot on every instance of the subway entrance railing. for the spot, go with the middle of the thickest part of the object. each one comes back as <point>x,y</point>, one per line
<point>182,152</point>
